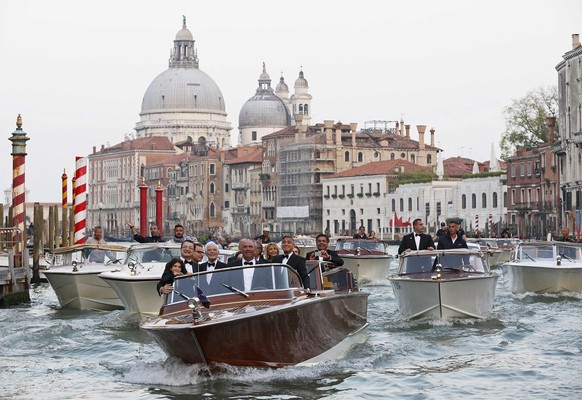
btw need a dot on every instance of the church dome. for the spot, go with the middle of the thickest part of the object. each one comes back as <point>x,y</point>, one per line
<point>282,86</point>
<point>301,82</point>
<point>184,34</point>
<point>265,109</point>
<point>183,89</point>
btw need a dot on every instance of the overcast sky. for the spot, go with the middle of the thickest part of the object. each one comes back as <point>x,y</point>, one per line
<point>77,71</point>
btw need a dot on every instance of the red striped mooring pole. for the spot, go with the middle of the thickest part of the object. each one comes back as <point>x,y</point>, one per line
<point>18,140</point>
<point>159,191</point>
<point>80,199</point>
<point>143,211</point>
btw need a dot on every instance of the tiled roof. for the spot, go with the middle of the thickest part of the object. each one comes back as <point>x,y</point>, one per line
<point>382,168</point>
<point>155,143</point>
<point>254,155</point>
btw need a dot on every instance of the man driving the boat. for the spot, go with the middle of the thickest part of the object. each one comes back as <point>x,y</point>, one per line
<point>453,240</point>
<point>566,235</point>
<point>96,255</point>
<point>322,253</point>
<point>416,240</point>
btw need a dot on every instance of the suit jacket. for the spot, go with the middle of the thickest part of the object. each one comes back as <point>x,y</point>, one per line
<point>335,258</point>
<point>215,285</point>
<point>445,242</point>
<point>261,278</point>
<point>298,263</point>
<point>408,242</point>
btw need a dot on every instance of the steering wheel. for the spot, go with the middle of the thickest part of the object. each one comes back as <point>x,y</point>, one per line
<point>117,261</point>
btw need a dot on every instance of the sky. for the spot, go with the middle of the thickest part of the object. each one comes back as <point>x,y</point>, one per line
<point>77,71</point>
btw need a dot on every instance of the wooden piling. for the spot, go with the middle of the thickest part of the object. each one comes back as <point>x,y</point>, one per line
<point>37,242</point>
<point>51,230</point>
<point>57,225</point>
<point>65,227</point>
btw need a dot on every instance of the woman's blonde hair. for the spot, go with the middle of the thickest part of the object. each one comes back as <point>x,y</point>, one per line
<point>269,246</point>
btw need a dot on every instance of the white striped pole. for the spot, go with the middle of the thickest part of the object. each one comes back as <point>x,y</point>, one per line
<point>80,199</point>
<point>476,222</point>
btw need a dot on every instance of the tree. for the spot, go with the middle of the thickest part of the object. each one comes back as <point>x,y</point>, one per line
<point>525,120</point>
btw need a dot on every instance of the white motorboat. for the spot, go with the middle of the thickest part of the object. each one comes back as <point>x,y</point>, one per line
<point>135,282</point>
<point>496,256</point>
<point>444,284</point>
<point>73,275</point>
<point>367,259</point>
<point>545,267</point>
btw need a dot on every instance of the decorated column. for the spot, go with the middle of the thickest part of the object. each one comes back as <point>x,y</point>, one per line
<point>80,199</point>
<point>143,208</point>
<point>159,191</point>
<point>18,140</point>
<point>65,206</point>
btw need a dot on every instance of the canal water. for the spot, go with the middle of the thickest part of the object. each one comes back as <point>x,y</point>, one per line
<point>529,348</point>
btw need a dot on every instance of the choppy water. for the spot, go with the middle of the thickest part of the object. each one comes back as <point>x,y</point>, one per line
<point>529,348</point>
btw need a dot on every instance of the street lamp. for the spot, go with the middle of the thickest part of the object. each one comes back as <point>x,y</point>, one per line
<point>100,205</point>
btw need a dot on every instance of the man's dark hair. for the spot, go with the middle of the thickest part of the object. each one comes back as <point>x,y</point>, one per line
<point>323,236</point>
<point>178,226</point>
<point>416,221</point>
<point>287,236</point>
<point>190,241</point>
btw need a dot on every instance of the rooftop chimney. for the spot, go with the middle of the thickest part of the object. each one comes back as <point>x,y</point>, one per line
<point>432,137</point>
<point>407,130</point>
<point>354,126</point>
<point>575,41</point>
<point>94,149</point>
<point>421,129</point>
<point>551,124</point>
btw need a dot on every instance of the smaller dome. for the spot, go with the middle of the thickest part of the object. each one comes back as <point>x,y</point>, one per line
<point>184,34</point>
<point>281,86</point>
<point>301,82</point>
<point>264,75</point>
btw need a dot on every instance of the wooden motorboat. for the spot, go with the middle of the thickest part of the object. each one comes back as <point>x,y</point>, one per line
<point>545,267</point>
<point>444,284</point>
<point>276,323</point>
<point>367,259</point>
<point>73,275</point>
<point>135,281</point>
<point>495,255</point>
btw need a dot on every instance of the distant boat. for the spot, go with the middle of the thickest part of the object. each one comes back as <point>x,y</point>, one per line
<point>275,324</point>
<point>444,284</point>
<point>367,259</point>
<point>74,277</point>
<point>545,267</point>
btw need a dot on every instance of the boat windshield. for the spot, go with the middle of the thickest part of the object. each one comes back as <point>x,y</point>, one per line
<point>262,276</point>
<point>362,244</point>
<point>548,252</point>
<point>144,254</point>
<point>423,263</point>
<point>89,254</point>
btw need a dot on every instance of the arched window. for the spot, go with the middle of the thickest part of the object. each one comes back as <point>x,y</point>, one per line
<point>401,205</point>
<point>306,109</point>
<point>211,187</point>
<point>413,158</point>
<point>410,204</point>
<point>392,156</point>
<point>393,205</point>
<point>484,200</point>
<point>494,199</point>
<point>464,201</point>
<point>347,156</point>
<point>360,157</point>
<point>429,159</point>
<point>212,210</point>
<point>473,200</point>
<point>300,108</point>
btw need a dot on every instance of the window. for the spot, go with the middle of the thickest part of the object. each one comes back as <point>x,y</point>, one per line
<point>512,196</point>
<point>212,169</point>
<point>529,168</point>
<point>360,157</point>
<point>504,199</point>
<point>464,201</point>
<point>402,155</point>
<point>212,210</point>
<point>473,200</point>
<point>413,158</point>
<point>306,109</point>
<point>409,204</point>
<point>393,205</point>
<point>392,156</point>
<point>401,205</point>
<point>254,135</point>
<point>211,187</point>
<point>347,156</point>
<point>494,199</point>
<point>227,204</point>
<point>429,159</point>
<point>522,169</point>
<point>513,170</point>
<point>226,188</point>
<point>484,200</point>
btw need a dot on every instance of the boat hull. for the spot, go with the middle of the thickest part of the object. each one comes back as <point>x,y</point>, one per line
<point>368,269</point>
<point>137,293</point>
<point>301,331</point>
<point>82,290</point>
<point>523,278</point>
<point>469,296</point>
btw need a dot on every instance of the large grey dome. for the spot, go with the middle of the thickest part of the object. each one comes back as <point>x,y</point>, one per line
<point>183,89</point>
<point>265,109</point>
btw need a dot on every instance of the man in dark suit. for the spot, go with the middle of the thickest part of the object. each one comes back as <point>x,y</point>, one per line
<point>323,254</point>
<point>249,278</point>
<point>207,283</point>
<point>292,260</point>
<point>191,254</point>
<point>453,240</point>
<point>361,233</point>
<point>416,240</point>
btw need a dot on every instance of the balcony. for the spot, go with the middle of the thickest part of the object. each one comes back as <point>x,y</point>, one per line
<point>240,185</point>
<point>239,210</point>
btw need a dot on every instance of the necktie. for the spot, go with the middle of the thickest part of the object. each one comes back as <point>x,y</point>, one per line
<point>417,235</point>
<point>211,265</point>
<point>248,263</point>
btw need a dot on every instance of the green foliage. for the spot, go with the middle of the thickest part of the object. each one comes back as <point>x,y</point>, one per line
<point>525,120</point>
<point>483,174</point>
<point>416,177</point>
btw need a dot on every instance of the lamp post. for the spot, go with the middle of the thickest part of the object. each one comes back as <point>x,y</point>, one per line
<point>100,205</point>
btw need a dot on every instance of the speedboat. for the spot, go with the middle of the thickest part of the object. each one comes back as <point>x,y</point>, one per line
<point>545,267</point>
<point>367,259</point>
<point>135,282</point>
<point>305,244</point>
<point>444,284</point>
<point>73,274</point>
<point>496,256</point>
<point>210,317</point>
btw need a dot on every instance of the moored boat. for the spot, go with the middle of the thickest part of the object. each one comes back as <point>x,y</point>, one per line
<point>74,278</point>
<point>444,284</point>
<point>367,259</point>
<point>545,267</point>
<point>274,324</point>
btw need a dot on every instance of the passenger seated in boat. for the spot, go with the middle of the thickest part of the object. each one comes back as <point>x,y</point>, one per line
<point>96,255</point>
<point>323,253</point>
<point>176,267</point>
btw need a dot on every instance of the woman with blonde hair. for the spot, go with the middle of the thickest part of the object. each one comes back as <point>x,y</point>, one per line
<point>271,251</point>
